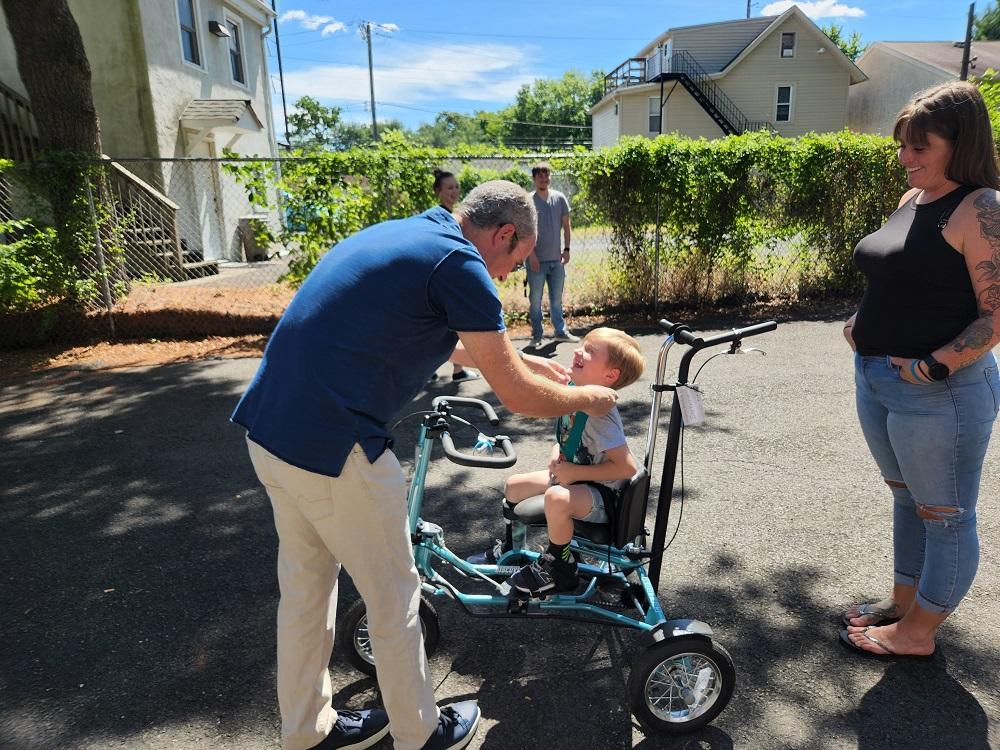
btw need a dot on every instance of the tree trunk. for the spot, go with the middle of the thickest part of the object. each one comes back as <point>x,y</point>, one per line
<point>53,66</point>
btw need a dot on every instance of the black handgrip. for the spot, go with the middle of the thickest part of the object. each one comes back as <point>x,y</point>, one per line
<point>484,407</point>
<point>739,333</point>
<point>508,459</point>
<point>680,332</point>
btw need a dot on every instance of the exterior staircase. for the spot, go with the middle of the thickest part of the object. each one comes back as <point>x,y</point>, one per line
<point>681,66</point>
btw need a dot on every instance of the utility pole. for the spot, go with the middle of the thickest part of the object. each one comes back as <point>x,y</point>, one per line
<point>967,47</point>
<point>281,72</point>
<point>748,8</point>
<point>366,30</point>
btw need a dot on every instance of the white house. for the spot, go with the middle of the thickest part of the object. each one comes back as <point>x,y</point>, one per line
<point>174,79</point>
<point>715,79</point>
<point>898,70</point>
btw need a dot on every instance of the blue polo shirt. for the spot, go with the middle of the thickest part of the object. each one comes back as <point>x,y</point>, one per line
<point>375,317</point>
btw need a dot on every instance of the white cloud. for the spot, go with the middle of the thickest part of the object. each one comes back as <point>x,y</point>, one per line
<point>309,22</point>
<point>818,9</point>
<point>417,76</point>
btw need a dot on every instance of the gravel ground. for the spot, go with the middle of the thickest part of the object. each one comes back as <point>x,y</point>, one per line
<point>139,594</point>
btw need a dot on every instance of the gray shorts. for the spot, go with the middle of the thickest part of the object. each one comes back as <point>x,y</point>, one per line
<point>600,494</point>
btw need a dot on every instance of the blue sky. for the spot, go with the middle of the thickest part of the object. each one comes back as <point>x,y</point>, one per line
<point>466,56</point>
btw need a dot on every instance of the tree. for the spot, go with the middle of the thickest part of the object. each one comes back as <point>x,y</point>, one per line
<point>451,129</point>
<point>539,111</point>
<point>53,66</point>
<point>986,25</point>
<point>315,126</point>
<point>850,46</point>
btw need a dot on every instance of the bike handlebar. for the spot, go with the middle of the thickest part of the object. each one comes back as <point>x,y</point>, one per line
<point>683,334</point>
<point>508,459</point>
<point>484,407</point>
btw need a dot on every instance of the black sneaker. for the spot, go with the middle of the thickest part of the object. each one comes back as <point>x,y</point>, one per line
<point>489,557</point>
<point>463,375</point>
<point>544,575</point>
<point>356,730</point>
<point>455,728</point>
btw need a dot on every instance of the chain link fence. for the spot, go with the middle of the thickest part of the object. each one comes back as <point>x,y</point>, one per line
<point>183,251</point>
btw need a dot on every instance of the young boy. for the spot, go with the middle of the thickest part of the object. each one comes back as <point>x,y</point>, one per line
<point>589,464</point>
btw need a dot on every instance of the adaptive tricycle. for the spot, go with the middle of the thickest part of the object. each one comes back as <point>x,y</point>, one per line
<point>684,679</point>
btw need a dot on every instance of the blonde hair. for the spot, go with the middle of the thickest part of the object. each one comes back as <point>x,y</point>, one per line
<point>956,112</point>
<point>624,355</point>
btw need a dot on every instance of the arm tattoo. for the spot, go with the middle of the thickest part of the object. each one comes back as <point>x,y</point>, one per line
<point>988,213</point>
<point>989,300</point>
<point>973,340</point>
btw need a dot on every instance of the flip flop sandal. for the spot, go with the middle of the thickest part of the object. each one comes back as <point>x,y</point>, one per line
<point>882,615</point>
<point>889,653</point>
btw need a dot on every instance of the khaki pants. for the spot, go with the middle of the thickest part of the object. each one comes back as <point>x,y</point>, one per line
<point>357,520</point>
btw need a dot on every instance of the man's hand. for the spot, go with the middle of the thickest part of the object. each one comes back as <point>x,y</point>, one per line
<point>602,399</point>
<point>565,256</point>
<point>547,368</point>
<point>534,264</point>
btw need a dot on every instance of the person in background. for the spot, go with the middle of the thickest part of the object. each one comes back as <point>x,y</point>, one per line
<point>925,376</point>
<point>547,264</point>
<point>446,190</point>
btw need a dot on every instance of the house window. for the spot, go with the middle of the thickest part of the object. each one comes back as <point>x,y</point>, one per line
<point>616,109</point>
<point>236,64</point>
<point>189,34</point>
<point>654,114</point>
<point>783,104</point>
<point>788,44</point>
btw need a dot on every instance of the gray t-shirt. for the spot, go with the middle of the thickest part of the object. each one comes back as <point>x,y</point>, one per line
<point>550,215</point>
<point>600,434</point>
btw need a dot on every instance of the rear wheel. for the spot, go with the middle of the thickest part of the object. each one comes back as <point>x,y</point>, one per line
<point>355,640</point>
<point>681,684</point>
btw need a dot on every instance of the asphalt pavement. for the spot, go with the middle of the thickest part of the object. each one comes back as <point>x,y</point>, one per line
<point>137,555</point>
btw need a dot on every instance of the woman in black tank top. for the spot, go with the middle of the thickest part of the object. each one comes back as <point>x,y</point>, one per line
<point>926,380</point>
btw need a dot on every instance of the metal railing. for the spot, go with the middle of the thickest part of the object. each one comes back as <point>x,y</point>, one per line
<point>632,72</point>
<point>18,135</point>
<point>709,94</point>
<point>681,65</point>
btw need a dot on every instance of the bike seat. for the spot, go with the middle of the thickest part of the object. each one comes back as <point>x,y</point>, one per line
<point>629,515</point>
<point>531,512</point>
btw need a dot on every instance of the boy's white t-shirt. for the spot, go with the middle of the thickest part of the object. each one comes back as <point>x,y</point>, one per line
<point>600,434</point>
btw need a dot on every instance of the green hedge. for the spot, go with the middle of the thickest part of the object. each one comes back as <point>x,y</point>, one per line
<point>722,205</point>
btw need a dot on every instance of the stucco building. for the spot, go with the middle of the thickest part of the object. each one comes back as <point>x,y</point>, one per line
<point>174,79</point>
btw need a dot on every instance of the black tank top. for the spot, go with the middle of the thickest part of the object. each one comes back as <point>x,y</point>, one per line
<point>919,295</point>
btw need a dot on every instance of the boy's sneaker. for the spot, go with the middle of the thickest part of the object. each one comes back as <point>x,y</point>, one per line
<point>356,730</point>
<point>535,344</point>
<point>456,726</point>
<point>545,575</point>
<point>489,557</point>
<point>465,374</point>
<point>566,336</point>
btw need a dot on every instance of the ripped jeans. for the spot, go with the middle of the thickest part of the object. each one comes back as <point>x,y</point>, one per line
<point>929,442</point>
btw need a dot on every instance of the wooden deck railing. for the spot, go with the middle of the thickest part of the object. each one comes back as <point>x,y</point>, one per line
<point>18,135</point>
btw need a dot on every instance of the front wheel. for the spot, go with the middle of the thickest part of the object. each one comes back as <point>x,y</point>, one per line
<point>681,684</point>
<point>355,641</point>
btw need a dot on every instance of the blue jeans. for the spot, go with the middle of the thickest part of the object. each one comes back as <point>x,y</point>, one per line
<point>553,272</point>
<point>932,438</point>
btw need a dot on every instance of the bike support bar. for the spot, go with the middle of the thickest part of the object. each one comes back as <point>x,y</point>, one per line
<point>682,335</point>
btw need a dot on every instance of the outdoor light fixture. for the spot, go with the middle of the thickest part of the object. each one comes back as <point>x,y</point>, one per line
<point>214,27</point>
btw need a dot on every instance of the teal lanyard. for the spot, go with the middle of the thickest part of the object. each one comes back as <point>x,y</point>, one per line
<point>569,433</point>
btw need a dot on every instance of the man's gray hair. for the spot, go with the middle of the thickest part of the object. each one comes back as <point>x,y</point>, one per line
<point>500,202</point>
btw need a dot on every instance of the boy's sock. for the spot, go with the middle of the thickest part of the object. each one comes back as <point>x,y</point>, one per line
<point>565,563</point>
